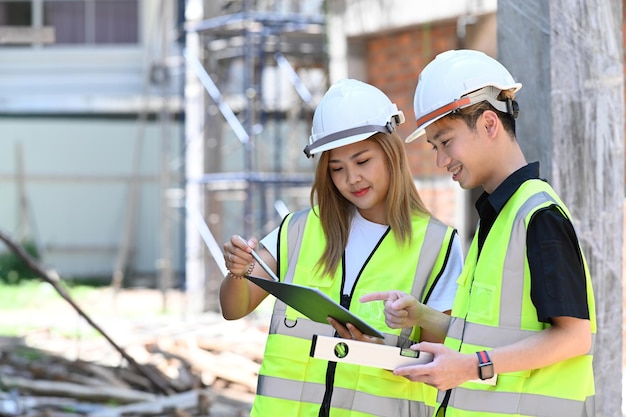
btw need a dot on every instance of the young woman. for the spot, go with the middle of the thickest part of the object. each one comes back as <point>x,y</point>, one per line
<point>367,230</point>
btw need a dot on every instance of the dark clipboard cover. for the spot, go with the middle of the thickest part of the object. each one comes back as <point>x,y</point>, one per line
<point>313,303</point>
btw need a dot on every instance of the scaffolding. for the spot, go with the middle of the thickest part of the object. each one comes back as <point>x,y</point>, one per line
<point>255,70</point>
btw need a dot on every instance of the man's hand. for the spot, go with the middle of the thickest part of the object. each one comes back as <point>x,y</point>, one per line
<point>448,368</point>
<point>404,311</point>
<point>401,310</point>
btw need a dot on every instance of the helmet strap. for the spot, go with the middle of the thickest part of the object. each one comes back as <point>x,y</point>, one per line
<point>512,107</point>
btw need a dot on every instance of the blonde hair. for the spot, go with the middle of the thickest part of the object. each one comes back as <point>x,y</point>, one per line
<point>336,213</point>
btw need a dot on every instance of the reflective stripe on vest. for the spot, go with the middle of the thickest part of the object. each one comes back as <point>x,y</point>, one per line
<point>479,334</point>
<point>358,401</point>
<point>510,403</point>
<point>525,393</point>
<point>295,232</point>
<point>287,329</point>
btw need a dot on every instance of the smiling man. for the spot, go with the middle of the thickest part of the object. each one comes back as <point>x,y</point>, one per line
<point>520,338</point>
<point>524,310</point>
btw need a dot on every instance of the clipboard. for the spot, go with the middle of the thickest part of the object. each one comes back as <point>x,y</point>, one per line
<point>313,303</point>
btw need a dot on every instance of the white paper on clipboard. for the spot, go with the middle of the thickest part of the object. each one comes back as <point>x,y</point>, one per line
<point>313,303</point>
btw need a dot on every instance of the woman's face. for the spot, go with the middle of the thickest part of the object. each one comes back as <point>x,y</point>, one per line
<point>361,174</point>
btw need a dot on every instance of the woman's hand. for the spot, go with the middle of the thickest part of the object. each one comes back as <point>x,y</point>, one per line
<point>349,331</point>
<point>239,296</point>
<point>448,368</point>
<point>237,255</point>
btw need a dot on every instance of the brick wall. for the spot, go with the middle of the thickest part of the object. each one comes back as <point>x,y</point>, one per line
<point>441,201</point>
<point>394,61</point>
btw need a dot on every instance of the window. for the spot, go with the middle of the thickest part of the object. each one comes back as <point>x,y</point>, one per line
<point>100,22</point>
<point>15,13</point>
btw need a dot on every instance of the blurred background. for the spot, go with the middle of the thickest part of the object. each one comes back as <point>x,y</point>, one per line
<point>138,136</point>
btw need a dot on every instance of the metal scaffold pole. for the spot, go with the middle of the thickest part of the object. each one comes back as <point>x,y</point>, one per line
<point>239,186</point>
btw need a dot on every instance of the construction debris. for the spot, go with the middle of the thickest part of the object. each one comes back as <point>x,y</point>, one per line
<point>158,366</point>
<point>209,368</point>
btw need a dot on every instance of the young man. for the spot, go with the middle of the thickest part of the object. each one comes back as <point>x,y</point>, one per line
<point>520,338</point>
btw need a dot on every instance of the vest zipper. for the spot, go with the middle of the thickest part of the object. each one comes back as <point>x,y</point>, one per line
<point>441,411</point>
<point>330,370</point>
<point>330,383</point>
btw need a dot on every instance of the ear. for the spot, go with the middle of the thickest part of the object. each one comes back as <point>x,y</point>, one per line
<point>491,123</point>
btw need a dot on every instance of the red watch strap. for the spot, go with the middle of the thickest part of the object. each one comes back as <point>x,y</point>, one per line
<point>483,357</point>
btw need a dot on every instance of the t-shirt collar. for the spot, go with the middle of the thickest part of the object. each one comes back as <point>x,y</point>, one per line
<point>501,195</point>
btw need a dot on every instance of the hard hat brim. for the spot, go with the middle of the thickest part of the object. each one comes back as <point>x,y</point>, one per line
<point>488,93</point>
<point>417,133</point>
<point>351,135</point>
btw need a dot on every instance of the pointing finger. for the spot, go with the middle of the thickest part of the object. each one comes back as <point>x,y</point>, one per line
<point>376,296</point>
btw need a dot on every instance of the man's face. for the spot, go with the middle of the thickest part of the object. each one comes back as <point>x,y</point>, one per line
<point>460,150</point>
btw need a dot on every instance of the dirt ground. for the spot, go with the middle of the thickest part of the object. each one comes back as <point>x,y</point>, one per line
<point>136,318</point>
<point>128,317</point>
<point>55,323</point>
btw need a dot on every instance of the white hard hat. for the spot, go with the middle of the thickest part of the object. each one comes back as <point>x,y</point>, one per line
<point>457,79</point>
<point>349,112</point>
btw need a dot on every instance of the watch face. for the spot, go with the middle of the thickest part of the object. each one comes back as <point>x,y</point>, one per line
<point>486,371</point>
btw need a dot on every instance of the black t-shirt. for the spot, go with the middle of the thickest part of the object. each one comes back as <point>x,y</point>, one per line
<point>558,285</point>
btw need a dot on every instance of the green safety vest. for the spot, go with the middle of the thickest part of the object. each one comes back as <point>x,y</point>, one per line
<point>493,308</point>
<point>291,383</point>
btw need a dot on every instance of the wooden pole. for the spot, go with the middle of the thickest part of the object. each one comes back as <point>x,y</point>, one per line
<point>159,382</point>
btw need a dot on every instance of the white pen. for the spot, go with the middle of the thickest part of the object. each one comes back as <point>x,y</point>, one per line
<point>265,267</point>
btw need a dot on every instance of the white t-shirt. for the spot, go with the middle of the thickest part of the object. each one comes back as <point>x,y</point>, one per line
<point>364,235</point>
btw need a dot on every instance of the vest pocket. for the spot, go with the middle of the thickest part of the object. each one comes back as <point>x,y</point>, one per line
<point>483,303</point>
<point>372,312</point>
<point>287,351</point>
<point>378,380</point>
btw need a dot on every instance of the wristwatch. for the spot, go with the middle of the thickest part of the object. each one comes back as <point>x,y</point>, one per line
<point>485,366</point>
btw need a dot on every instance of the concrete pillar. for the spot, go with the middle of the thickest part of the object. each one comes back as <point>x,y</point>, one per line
<point>569,56</point>
<point>337,41</point>
<point>194,168</point>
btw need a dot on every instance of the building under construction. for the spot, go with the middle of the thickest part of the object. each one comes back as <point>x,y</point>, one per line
<point>255,72</point>
<point>144,137</point>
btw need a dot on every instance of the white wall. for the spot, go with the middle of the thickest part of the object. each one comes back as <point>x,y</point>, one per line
<point>73,110</point>
<point>76,181</point>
